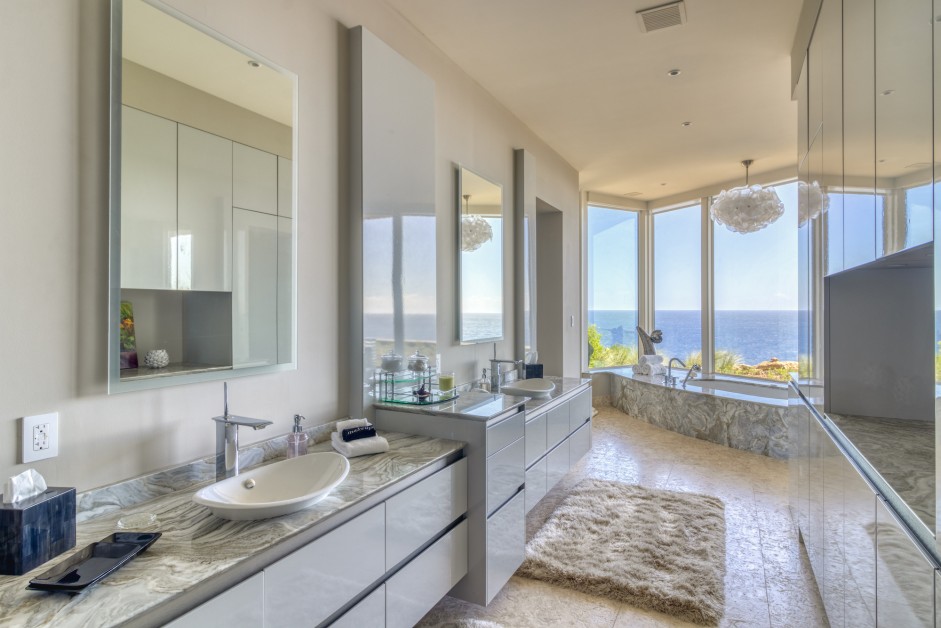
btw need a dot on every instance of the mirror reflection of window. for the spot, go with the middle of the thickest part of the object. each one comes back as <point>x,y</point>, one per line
<point>480,224</point>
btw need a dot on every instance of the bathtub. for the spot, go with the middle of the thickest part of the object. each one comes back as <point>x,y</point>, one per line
<point>759,392</point>
<point>740,413</point>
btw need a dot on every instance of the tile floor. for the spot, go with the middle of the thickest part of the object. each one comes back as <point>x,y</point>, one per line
<point>768,579</point>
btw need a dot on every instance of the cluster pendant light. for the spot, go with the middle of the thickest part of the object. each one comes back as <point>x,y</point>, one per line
<point>746,209</point>
<point>475,230</point>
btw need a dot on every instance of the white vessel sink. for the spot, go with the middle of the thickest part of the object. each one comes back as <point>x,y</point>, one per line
<point>537,388</point>
<point>277,489</point>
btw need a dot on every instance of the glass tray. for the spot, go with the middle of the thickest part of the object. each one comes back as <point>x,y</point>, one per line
<point>94,562</point>
<point>409,399</point>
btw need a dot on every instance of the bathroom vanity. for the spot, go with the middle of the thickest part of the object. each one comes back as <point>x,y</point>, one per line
<point>517,450</point>
<point>381,549</point>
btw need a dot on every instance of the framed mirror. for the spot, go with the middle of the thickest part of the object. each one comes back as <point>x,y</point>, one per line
<point>480,258</point>
<point>203,144</point>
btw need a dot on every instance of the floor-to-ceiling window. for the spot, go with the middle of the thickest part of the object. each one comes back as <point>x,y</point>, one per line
<point>755,279</point>
<point>612,239</point>
<point>677,266</point>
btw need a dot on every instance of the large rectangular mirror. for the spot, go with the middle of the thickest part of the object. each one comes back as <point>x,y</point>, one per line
<point>202,204</point>
<point>480,258</point>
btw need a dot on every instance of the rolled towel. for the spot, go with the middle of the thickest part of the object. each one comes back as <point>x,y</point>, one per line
<point>362,447</point>
<point>651,359</point>
<point>345,425</point>
<point>636,369</point>
<point>356,433</point>
<point>656,369</point>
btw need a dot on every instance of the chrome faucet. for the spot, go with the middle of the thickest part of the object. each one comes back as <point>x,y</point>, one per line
<point>495,379</point>
<point>689,374</point>
<point>227,437</point>
<point>668,379</point>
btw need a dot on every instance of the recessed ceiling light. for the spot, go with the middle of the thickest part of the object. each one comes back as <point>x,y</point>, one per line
<point>687,123</point>
<point>663,184</point>
<point>674,72</point>
<point>887,92</point>
<point>632,194</point>
<point>254,63</point>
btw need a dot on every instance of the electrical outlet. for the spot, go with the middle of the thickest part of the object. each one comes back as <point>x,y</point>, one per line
<point>40,437</point>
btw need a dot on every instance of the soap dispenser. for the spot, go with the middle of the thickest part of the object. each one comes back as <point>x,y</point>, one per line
<point>297,439</point>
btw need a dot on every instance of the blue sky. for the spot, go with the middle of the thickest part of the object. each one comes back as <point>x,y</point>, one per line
<point>756,271</point>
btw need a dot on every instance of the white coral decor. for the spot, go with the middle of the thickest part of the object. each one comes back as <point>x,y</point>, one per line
<point>747,209</point>
<point>157,359</point>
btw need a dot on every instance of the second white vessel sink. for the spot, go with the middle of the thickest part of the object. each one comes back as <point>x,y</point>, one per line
<point>277,489</point>
<point>537,387</point>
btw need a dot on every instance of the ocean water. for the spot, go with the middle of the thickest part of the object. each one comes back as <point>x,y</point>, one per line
<point>755,335</point>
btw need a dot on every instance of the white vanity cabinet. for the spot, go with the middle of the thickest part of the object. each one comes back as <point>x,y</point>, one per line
<point>255,179</point>
<point>495,501</point>
<point>242,606</point>
<point>204,211</point>
<point>558,435</point>
<point>148,201</point>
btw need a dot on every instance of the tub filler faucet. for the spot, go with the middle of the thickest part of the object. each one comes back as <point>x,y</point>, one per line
<point>669,379</point>
<point>227,437</point>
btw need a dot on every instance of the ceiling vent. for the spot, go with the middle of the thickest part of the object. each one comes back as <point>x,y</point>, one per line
<point>663,16</point>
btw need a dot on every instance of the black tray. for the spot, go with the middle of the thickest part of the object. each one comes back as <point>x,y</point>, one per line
<point>94,562</point>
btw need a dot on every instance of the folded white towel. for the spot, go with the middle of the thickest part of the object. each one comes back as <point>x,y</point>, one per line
<point>361,447</point>
<point>651,359</point>
<point>345,425</point>
<point>641,369</point>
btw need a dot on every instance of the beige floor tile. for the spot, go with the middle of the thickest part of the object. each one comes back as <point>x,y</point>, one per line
<point>768,579</point>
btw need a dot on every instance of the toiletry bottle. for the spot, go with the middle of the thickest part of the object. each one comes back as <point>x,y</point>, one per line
<point>297,439</point>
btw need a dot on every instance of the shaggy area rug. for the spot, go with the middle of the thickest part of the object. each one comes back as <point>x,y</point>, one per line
<point>650,548</point>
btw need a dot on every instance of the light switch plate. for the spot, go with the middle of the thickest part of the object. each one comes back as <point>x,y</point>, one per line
<point>40,437</point>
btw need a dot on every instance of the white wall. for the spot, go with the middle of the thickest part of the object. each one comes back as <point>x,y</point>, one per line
<point>54,227</point>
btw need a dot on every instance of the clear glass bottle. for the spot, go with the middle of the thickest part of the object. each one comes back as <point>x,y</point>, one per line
<point>297,439</point>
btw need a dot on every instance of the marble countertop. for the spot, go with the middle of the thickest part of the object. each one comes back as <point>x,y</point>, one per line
<point>479,405</point>
<point>475,405</point>
<point>198,547</point>
<point>563,386</point>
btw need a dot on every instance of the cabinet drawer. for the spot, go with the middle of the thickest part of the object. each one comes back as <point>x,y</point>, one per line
<point>579,410</point>
<point>506,542</point>
<point>242,605</point>
<point>535,484</point>
<point>505,432</point>
<point>417,514</point>
<point>370,612</point>
<point>316,581</point>
<point>505,474</point>
<point>557,465</point>
<point>418,586</point>
<point>535,439</point>
<point>557,425</point>
<point>579,443</point>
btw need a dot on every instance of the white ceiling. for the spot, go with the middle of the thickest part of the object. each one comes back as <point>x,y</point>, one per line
<point>584,78</point>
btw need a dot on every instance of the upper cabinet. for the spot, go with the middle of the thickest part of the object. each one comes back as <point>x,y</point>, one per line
<point>148,192</point>
<point>202,164</point>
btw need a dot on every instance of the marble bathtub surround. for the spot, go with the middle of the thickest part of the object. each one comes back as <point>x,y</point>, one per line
<point>726,419</point>
<point>129,493</point>
<point>903,453</point>
<point>200,555</point>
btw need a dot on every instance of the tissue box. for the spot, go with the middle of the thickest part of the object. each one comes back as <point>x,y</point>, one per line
<point>35,530</point>
<point>533,371</point>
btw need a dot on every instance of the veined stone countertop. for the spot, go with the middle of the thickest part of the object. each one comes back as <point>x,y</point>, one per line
<point>199,554</point>
<point>478,405</point>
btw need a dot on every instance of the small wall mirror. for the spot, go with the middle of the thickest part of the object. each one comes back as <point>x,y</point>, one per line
<point>480,258</point>
<point>202,204</point>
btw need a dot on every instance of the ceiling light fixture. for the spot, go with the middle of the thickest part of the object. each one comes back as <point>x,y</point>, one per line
<point>475,230</point>
<point>815,202</point>
<point>674,72</point>
<point>887,92</point>
<point>254,63</point>
<point>687,123</point>
<point>746,209</point>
